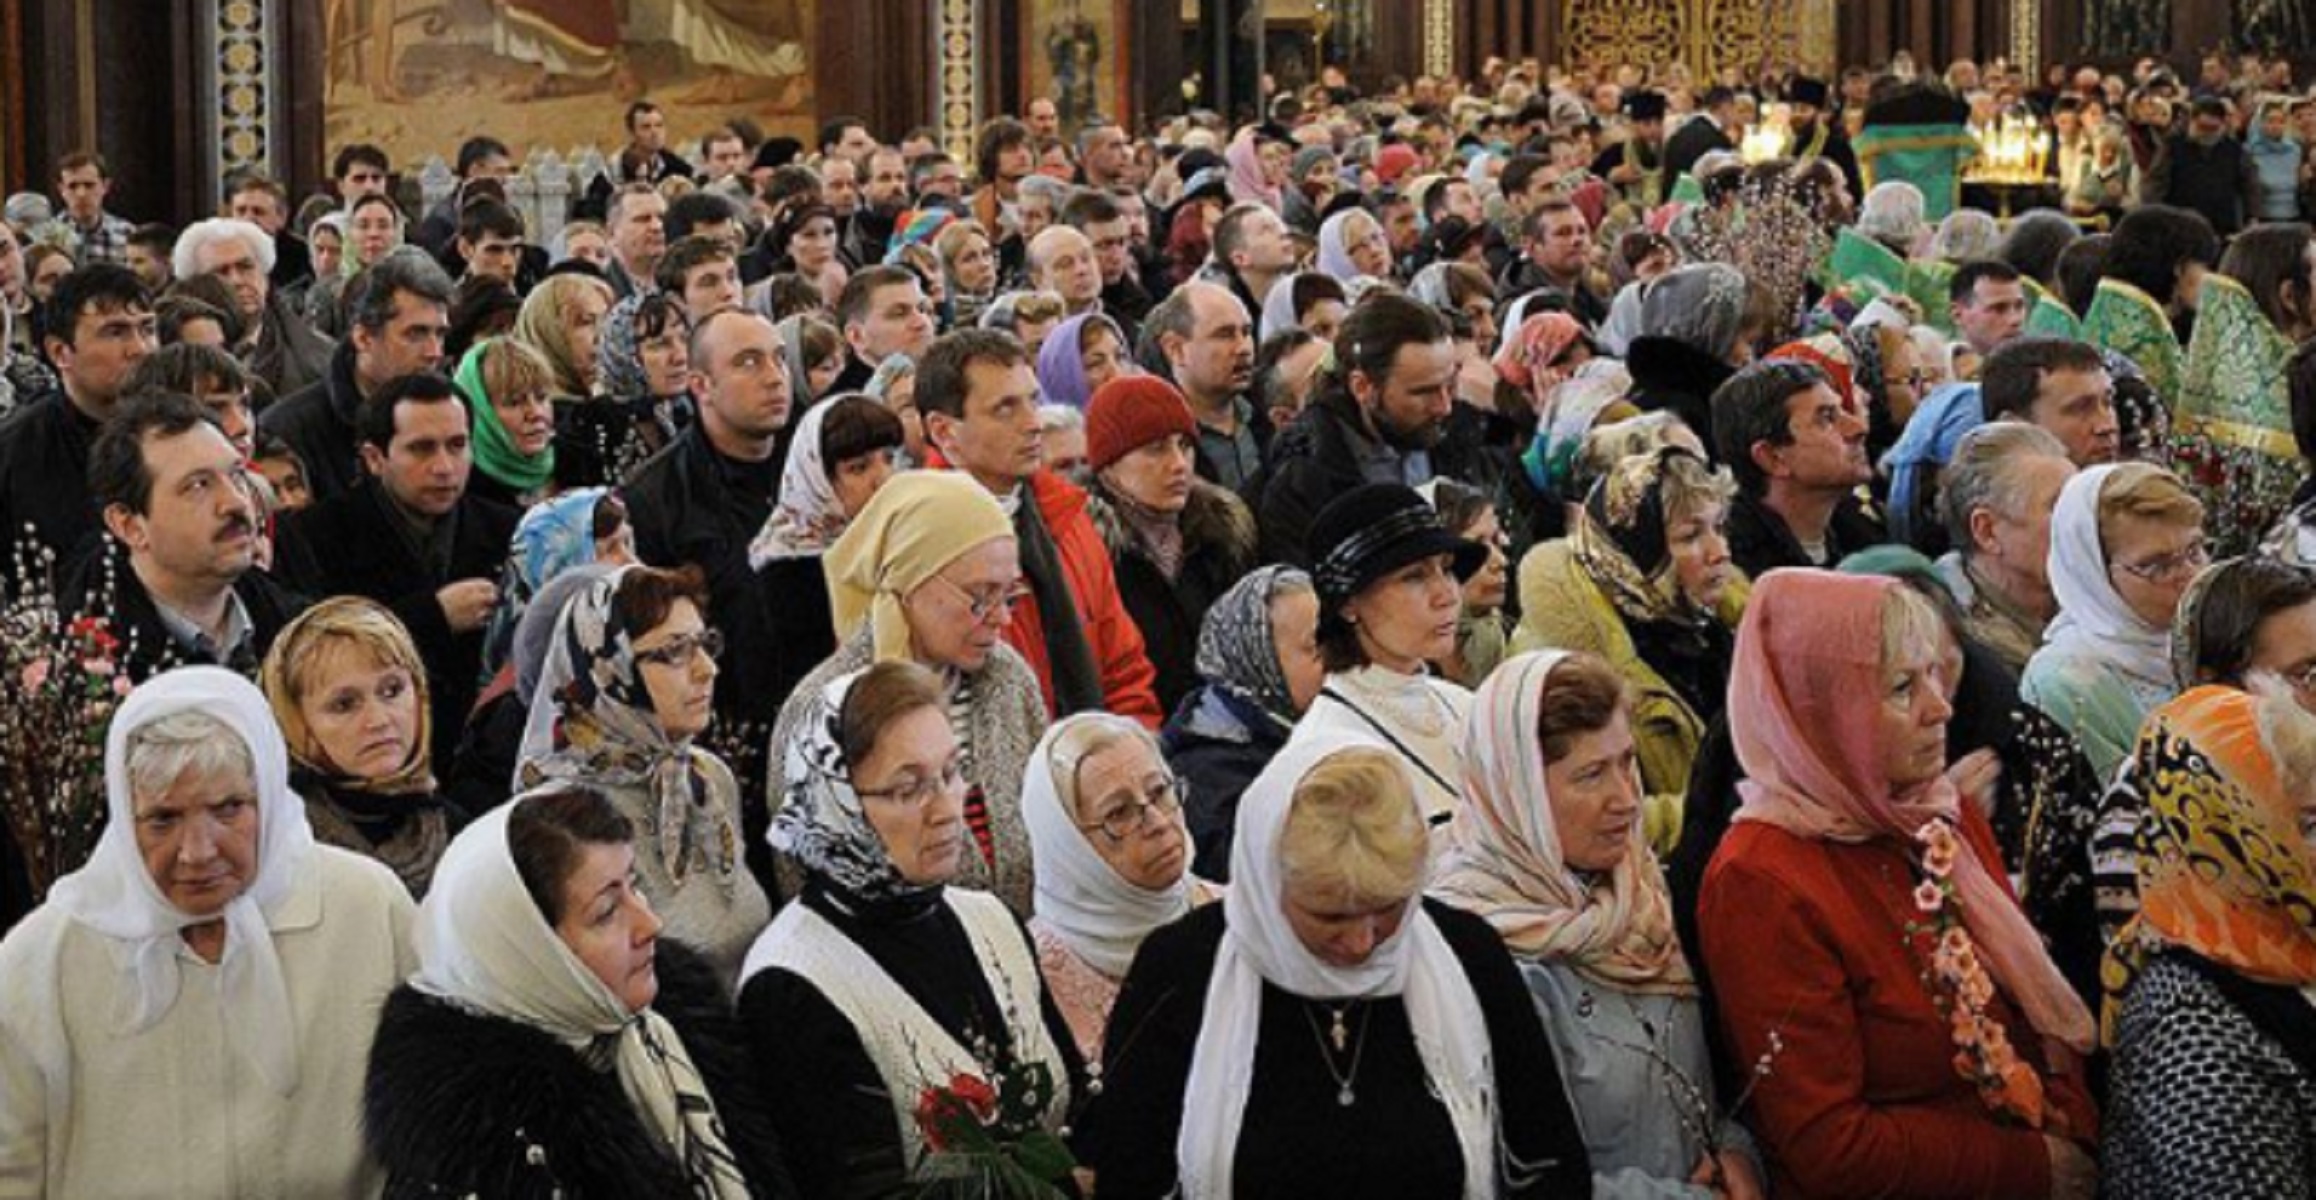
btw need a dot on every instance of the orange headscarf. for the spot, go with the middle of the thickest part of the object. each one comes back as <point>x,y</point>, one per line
<point>2223,870</point>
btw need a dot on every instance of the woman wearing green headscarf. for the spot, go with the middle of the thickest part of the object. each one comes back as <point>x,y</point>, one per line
<point>508,389</point>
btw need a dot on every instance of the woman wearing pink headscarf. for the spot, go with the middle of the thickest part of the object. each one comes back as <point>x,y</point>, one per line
<point>1861,941</point>
<point>1258,169</point>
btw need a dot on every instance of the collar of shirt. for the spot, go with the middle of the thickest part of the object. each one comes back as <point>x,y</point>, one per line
<point>196,641</point>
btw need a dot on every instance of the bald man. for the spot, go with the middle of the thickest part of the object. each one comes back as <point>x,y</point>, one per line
<point>1062,261</point>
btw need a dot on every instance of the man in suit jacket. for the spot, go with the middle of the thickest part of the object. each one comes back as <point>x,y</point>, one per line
<point>410,538</point>
<point>1709,130</point>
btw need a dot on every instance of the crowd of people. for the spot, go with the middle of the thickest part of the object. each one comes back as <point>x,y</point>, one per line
<point>1489,638</point>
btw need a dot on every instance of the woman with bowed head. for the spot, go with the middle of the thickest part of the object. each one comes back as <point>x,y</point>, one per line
<point>2126,541</point>
<point>552,1043</point>
<point>190,1011</point>
<point>1176,541</point>
<point>1259,670</point>
<point>349,691</point>
<point>629,683</point>
<point>1080,357</point>
<point>1324,1030</point>
<point>2214,1084</point>
<point>928,573</point>
<point>1105,822</point>
<point>1909,1033</point>
<point>882,979</point>
<point>1644,581</point>
<point>1549,851</point>
<point>1390,582</point>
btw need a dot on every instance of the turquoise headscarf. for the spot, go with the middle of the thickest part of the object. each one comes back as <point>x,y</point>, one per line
<point>494,448</point>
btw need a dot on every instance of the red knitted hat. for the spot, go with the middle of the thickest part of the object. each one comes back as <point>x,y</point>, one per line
<point>1131,412</point>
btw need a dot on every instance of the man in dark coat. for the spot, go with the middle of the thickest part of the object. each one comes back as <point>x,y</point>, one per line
<point>100,327</point>
<point>1798,450</point>
<point>177,579</point>
<point>397,320</point>
<point>1814,133</point>
<point>1702,134</point>
<point>410,538</point>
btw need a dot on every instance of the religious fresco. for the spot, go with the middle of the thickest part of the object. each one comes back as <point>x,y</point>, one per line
<point>1077,56</point>
<point>1706,35</point>
<point>2273,25</point>
<point>2118,28</point>
<point>419,76</point>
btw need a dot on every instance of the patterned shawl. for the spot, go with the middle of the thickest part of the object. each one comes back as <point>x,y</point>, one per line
<point>2130,322</point>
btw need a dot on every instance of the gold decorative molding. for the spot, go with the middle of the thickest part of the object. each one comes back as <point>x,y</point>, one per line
<point>1439,38</point>
<point>957,77</point>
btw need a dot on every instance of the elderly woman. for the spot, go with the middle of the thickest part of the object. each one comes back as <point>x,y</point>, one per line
<point>1352,246</point>
<point>1645,582</point>
<point>190,1012</point>
<point>1105,822</point>
<point>1259,670</point>
<point>1390,582</point>
<point>2214,1084</point>
<point>928,573</point>
<point>883,979</point>
<point>508,388</point>
<point>1916,1038</point>
<point>1081,355</point>
<point>642,370</point>
<point>894,385</point>
<point>1305,300</point>
<point>349,691</point>
<point>1177,541</point>
<point>541,973</point>
<point>1697,328</point>
<point>629,683</point>
<point>2125,542</point>
<point>1326,1031</point>
<point>1551,854</point>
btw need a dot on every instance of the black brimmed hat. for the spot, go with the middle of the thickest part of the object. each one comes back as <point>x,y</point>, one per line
<point>1373,530</point>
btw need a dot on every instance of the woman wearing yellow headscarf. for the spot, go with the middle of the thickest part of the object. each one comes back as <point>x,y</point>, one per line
<point>928,573</point>
<point>2208,989</point>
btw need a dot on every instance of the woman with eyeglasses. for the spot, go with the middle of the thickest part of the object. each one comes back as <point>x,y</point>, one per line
<point>2126,540</point>
<point>629,683</point>
<point>1105,822</point>
<point>884,979</point>
<point>928,573</point>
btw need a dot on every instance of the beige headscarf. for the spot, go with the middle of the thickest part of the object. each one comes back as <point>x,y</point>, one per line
<point>544,324</point>
<point>918,523</point>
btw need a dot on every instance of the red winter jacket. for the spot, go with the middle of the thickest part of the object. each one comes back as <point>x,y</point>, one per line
<point>1129,682</point>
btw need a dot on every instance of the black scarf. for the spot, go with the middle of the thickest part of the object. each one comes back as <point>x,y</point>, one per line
<point>1077,682</point>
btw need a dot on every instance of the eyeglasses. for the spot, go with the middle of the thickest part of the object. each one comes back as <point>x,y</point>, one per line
<point>917,791</point>
<point>2165,567</point>
<point>681,652</point>
<point>989,601</point>
<point>2302,678</point>
<point>1161,796</point>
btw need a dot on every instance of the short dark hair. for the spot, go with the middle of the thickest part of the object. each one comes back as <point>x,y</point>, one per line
<point>2238,596</point>
<point>832,130</point>
<point>184,367</point>
<point>2012,376</point>
<point>635,110</point>
<point>156,237</point>
<point>549,831</point>
<point>941,374</point>
<point>694,209</point>
<point>1519,170</point>
<point>474,150</point>
<point>852,304</point>
<point>923,165</point>
<point>645,595</point>
<point>375,419</point>
<point>1963,288</point>
<point>1383,324</point>
<point>853,426</point>
<point>1274,351</point>
<point>1751,408</point>
<point>682,256</point>
<point>1553,206</point>
<point>83,158</point>
<point>488,218</point>
<point>2153,242</point>
<point>179,307</point>
<point>97,287</point>
<point>1230,231</point>
<point>116,463</point>
<point>2265,259</point>
<point>1090,206</point>
<point>2035,241</point>
<point>361,154</point>
<point>2079,268</point>
<point>370,302</point>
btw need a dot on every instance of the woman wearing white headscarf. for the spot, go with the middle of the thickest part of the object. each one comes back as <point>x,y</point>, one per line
<point>1105,822</point>
<point>190,1012</point>
<point>1352,246</point>
<point>1549,851</point>
<point>2126,540</point>
<point>551,1043</point>
<point>1325,1031</point>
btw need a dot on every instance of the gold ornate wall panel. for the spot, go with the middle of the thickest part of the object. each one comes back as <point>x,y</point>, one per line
<point>1705,35</point>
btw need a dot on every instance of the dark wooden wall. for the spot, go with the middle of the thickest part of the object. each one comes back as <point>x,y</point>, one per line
<point>116,76</point>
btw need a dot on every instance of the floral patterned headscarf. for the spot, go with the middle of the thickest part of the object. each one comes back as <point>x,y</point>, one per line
<point>821,823</point>
<point>1619,539</point>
